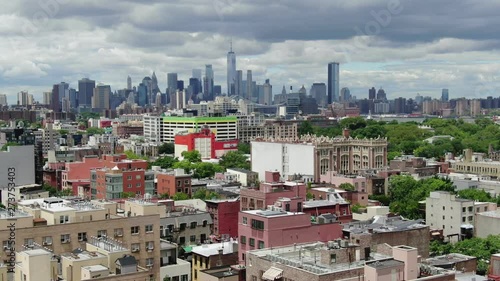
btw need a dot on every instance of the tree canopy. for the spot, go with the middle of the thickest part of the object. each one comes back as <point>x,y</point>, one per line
<point>166,162</point>
<point>205,194</point>
<point>234,159</point>
<point>192,156</point>
<point>95,131</point>
<point>180,196</point>
<point>405,192</point>
<point>166,148</point>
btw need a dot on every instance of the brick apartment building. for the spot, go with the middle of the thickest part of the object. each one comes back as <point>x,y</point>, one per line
<point>172,183</point>
<point>108,183</point>
<point>224,214</point>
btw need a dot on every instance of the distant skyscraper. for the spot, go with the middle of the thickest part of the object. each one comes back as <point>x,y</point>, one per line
<point>172,82</point>
<point>318,91</point>
<point>381,95</point>
<point>345,94</point>
<point>445,95</point>
<point>55,104</point>
<point>217,90</point>
<point>22,98</point>
<point>249,86</point>
<point>142,94</point>
<point>208,87</point>
<point>268,93</point>
<point>3,99</point>
<point>102,94</point>
<point>333,82</point>
<point>63,91</point>
<point>372,93</point>
<point>154,85</point>
<point>239,83</point>
<point>194,86</point>
<point>129,83</point>
<point>197,74</point>
<point>231,71</point>
<point>47,97</point>
<point>85,92</point>
<point>31,99</point>
<point>73,98</point>
<point>180,85</point>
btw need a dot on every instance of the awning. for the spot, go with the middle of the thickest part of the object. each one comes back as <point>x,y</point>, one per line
<point>188,249</point>
<point>272,274</point>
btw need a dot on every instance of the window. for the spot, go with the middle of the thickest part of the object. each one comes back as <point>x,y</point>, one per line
<point>129,177</point>
<point>63,219</point>
<point>470,209</point>
<point>333,258</point>
<point>134,230</point>
<point>193,224</point>
<point>245,220</point>
<point>184,277</point>
<point>463,219</point>
<point>29,242</point>
<point>65,238</point>
<point>444,208</point>
<point>178,183</point>
<point>470,218</point>
<point>182,226</point>
<point>118,232</point>
<point>195,274</point>
<point>443,226</point>
<point>101,233</point>
<point>252,242</point>
<point>82,236</point>
<point>135,247</point>
<point>182,240</point>
<point>192,238</point>
<point>149,262</point>
<point>443,218</point>
<point>138,184</point>
<point>138,177</point>
<point>149,228</point>
<point>47,241</point>
<point>129,185</point>
<point>150,245</point>
<point>261,244</point>
<point>204,223</point>
<point>203,237</point>
<point>256,224</point>
<point>463,209</point>
<point>243,239</point>
<point>186,181</point>
<point>485,209</point>
<point>477,209</point>
<point>5,244</point>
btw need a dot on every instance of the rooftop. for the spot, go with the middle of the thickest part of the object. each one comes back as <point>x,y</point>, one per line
<point>492,214</point>
<point>272,213</point>
<point>449,259</point>
<point>208,250</point>
<point>82,255</point>
<point>380,224</point>
<point>107,244</point>
<point>385,264</point>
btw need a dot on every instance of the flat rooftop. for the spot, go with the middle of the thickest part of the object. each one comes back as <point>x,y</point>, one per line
<point>381,224</point>
<point>272,214</point>
<point>385,264</point>
<point>208,250</point>
<point>448,259</point>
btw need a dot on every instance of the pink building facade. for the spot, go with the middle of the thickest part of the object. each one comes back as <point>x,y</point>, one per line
<point>259,229</point>
<point>358,182</point>
<point>79,170</point>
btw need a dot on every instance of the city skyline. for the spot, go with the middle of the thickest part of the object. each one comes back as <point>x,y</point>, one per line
<point>408,54</point>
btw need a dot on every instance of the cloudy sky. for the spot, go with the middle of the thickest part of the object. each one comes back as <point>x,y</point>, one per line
<point>406,47</point>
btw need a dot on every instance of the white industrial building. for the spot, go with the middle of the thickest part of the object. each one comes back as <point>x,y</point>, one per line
<point>17,165</point>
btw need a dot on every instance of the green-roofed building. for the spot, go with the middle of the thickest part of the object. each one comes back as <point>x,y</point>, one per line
<point>225,128</point>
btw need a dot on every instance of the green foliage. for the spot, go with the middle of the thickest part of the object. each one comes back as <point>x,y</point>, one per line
<point>481,248</point>
<point>2,206</point>
<point>95,131</point>
<point>127,195</point>
<point>383,199</point>
<point>85,116</point>
<point>476,195</point>
<point>166,148</point>
<point>166,278</point>
<point>309,195</point>
<point>4,147</point>
<point>132,156</point>
<point>166,162</point>
<point>193,156</point>
<point>356,208</point>
<point>205,194</point>
<point>405,192</point>
<point>63,132</point>
<point>164,196</point>
<point>57,193</point>
<point>353,123</point>
<point>244,148</point>
<point>180,196</point>
<point>346,186</point>
<point>305,128</point>
<point>199,169</point>
<point>234,159</point>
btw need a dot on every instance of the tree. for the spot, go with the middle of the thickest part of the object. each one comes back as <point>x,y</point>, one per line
<point>180,196</point>
<point>205,194</point>
<point>132,156</point>
<point>164,196</point>
<point>476,195</point>
<point>206,170</point>
<point>353,123</point>
<point>234,159</point>
<point>192,156</point>
<point>305,128</point>
<point>166,148</point>
<point>346,186</point>
<point>63,132</point>
<point>244,148</point>
<point>5,146</point>
<point>95,131</point>
<point>127,195</point>
<point>166,162</point>
<point>166,278</point>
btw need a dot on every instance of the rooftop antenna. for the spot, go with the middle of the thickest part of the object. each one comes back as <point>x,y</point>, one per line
<point>231,45</point>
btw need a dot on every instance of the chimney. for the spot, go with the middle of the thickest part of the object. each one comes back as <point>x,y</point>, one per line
<point>346,133</point>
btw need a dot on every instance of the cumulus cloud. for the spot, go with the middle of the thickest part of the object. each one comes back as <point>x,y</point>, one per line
<point>405,46</point>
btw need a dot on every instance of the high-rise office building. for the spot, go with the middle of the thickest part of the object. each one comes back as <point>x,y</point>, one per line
<point>142,94</point>
<point>194,86</point>
<point>85,91</point>
<point>55,104</point>
<point>180,85</point>
<point>172,82</point>
<point>372,93</point>
<point>231,72</point>
<point>129,83</point>
<point>268,93</point>
<point>22,98</point>
<point>63,91</point>
<point>197,74</point>
<point>3,100</point>
<point>239,83</point>
<point>318,91</point>
<point>445,95</point>
<point>47,97</point>
<point>345,94</point>
<point>381,95</point>
<point>31,99</point>
<point>333,82</point>
<point>208,87</point>
<point>73,98</point>
<point>217,90</point>
<point>102,94</point>
<point>249,85</point>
